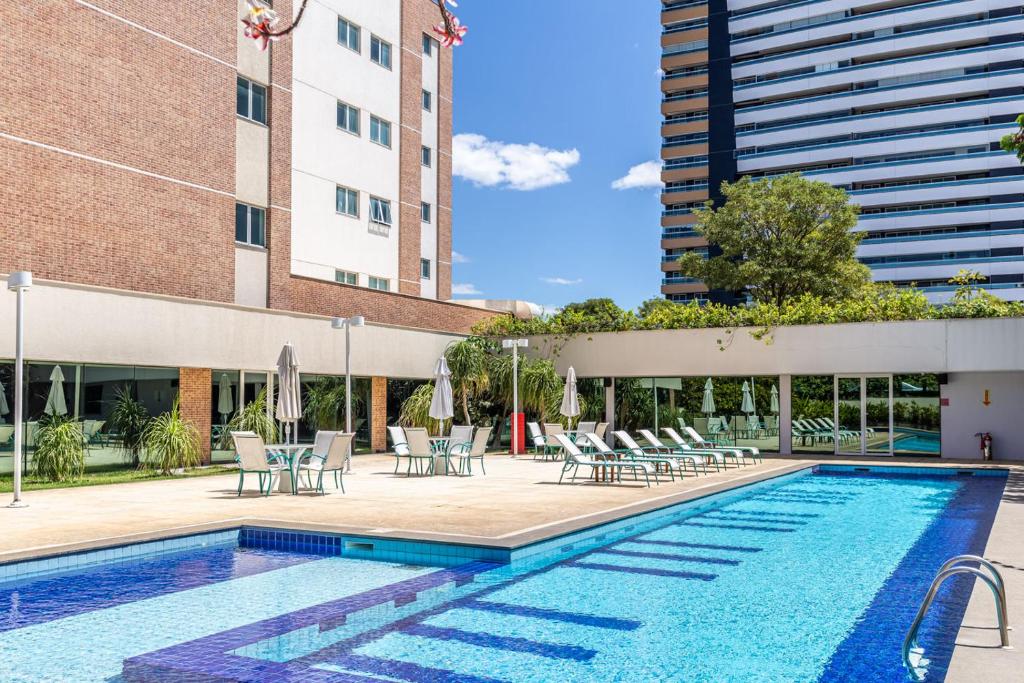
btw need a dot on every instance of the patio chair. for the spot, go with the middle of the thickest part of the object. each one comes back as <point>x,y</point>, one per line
<point>475,450</point>
<point>419,450</point>
<point>601,429</point>
<point>701,425</point>
<point>771,425</point>
<point>6,434</point>
<point>575,458</point>
<point>604,451</point>
<point>664,456</point>
<point>719,454</point>
<point>461,437</point>
<point>754,427</point>
<point>700,442</point>
<point>331,460</point>
<point>400,444</point>
<point>551,444</point>
<point>253,459</point>
<point>697,458</point>
<point>536,437</point>
<point>582,429</point>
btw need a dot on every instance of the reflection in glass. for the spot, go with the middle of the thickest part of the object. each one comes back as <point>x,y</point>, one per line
<point>876,433</point>
<point>916,425</point>
<point>223,405</point>
<point>813,406</point>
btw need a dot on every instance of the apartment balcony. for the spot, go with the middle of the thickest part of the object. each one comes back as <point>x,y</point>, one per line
<point>680,106</point>
<point>697,126</point>
<point>675,174</point>
<point>682,242</point>
<point>680,196</point>
<point>684,59</point>
<point>684,288</point>
<point>684,219</point>
<point>676,151</point>
<point>670,85</point>
<point>683,37</point>
<point>671,16</point>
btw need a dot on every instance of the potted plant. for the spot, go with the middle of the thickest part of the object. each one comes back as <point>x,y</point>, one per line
<point>60,449</point>
<point>171,442</point>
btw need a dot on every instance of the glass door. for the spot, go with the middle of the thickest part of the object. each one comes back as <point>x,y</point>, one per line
<point>863,415</point>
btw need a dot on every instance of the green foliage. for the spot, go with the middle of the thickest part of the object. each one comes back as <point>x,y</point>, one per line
<point>782,238</point>
<point>323,403</point>
<point>1014,142</point>
<point>60,449</point>
<point>467,361</point>
<point>252,417</point>
<point>171,442</point>
<point>129,419</point>
<point>416,410</point>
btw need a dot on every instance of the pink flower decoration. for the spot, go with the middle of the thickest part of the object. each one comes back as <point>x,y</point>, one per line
<point>451,31</point>
<point>259,24</point>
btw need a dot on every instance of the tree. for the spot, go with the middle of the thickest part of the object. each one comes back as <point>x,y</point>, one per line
<point>782,237</point>
<point>1014,142</point>
<point>467,361</point>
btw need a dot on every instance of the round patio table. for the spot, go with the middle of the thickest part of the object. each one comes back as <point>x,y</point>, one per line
<point>292,453</point>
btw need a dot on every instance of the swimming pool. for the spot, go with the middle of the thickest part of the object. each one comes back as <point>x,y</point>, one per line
<point>813,576</point>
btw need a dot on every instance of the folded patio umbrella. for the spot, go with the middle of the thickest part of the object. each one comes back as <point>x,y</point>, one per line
<point>225,404</point>
<point>775,399</point>
<point>289,395</point>
<point>570,398</point>
<point>442,403</point>
<point>747,405</point>
<point>55,403</point>
<point>4,410</point>
<point>707,406</point>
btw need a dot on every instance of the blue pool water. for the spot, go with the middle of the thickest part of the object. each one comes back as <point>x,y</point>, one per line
<point>912,441</point>
<point>811,577</point>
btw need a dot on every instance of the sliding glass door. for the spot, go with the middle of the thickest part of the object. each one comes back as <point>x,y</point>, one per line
<point>863,415</point>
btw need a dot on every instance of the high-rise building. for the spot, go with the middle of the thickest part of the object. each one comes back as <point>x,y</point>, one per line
<point>900,103</point>
<point>188,203</point>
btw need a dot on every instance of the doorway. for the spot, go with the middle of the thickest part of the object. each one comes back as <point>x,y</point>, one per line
<point>862,418</point>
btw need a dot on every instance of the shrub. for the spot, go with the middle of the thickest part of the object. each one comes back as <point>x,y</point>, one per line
<point>171,442</point>
<point>60,449</point>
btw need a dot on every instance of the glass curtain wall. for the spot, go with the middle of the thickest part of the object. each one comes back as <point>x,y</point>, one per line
<point>739,411</point>
<point>323,404</point>
<point>813,405</point>
<point>915,414</point>
<point>6,415</point>
<point>225,402</point>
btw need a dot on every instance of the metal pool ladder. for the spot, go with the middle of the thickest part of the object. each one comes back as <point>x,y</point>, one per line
<point>913,658</point>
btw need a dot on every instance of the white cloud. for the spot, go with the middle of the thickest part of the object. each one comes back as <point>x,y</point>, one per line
<point>647,174</point>
<point>561,281</point>
<point>489,163</point>
<point>465,289</point>
<point>459,258</point>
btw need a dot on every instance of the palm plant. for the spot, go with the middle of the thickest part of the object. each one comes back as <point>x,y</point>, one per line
<point>324,403</point>
<point>128,419</point>
<point>467,361</point>
<point>252,417</point>
<point>416,410</point>
<point>172,442</point>
<point>60,449</point>
<point>538,383</point>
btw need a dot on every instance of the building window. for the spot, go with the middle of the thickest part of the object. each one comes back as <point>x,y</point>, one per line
<point>250,225</point>
<point>348,118</point>
<point>380,211</point>
<point>380,283</point>
<point>425,268</point>
<point>251,101</point>
<point>380,131</point>
<point>427,100</point>
<point>428,45</point>
<point>425,212</point>
<point>380,52</point>
<point>348,34</point>
<point>347,202</point>
<point>426,156</point>
<point>345,277</point>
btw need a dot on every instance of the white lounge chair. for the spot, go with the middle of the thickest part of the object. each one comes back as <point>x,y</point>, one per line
<point>475,450</point>
<point>400,445</point>
<point>551,444</point>
<point>575,458</point>
<point>720,455</point>
<point>701,442</point>
<point>674,460</point>
<point>697,458</point>
<point>329,459</point>
<point>253,459</point>
<point>536,437</point>
<point>636,454</point>
<point>581,434</point>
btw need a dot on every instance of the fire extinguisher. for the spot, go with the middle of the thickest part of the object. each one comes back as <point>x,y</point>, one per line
<point>985,445</point>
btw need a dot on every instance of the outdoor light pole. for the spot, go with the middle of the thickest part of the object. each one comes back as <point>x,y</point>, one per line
<point>19,283</point>
<point>348,324</point>
<point>514,344</point>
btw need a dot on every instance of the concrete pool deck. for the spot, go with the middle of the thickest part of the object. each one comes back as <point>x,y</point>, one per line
<point>517,503</point>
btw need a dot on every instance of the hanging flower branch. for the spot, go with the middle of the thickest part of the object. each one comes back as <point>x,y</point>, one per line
<point>261,23</point>
<point>1014,142</point>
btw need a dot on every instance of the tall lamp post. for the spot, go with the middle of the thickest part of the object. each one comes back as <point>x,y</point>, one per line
<point>515,345</point>
<point>19,283</point>
<point>347,324</point>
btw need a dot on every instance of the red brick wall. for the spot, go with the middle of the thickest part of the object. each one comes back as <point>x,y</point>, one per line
<point>195,390</point>
<point>379,414</point>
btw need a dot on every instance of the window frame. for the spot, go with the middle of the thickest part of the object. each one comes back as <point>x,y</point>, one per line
<point>344,277</point>
<point>425,266</point>
<point>350,194</point>
<point>381,124</point>
<point>250,86</point>
<point>358,49</point>
<point>385,205</point>
<point>358,132</point>
<point>428,45</point>
<point>250,211</point>
<point>383,47</point>
<point>426,213</point>
<point>426,156</point>
<point>375,283</point>
<point>427,100</point>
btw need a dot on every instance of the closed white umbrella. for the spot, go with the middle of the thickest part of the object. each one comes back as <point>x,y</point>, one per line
<point>225,404</point>
<point>570,398</point>
<point>747,405</point>
<point>707,406</point>
<point>775,399</point>
<point>289,394</point>
<point>442,403</point>
<point>55,403</point>
<point>4,410</point>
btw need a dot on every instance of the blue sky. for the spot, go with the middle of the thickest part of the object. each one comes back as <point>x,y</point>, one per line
<point>579,79</point>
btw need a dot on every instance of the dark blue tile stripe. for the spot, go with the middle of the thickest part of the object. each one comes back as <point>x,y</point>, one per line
<point>48,598</point>
<point>509,643</point>
<point>702,546</point>
<point>406,671</point>
<point>670,556</point>
<point>766,513</point>
<point>738,518</point>
<point>742,527</point>
<point>643,570</point>
<point>187,668</point>
<point>614,623</point>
